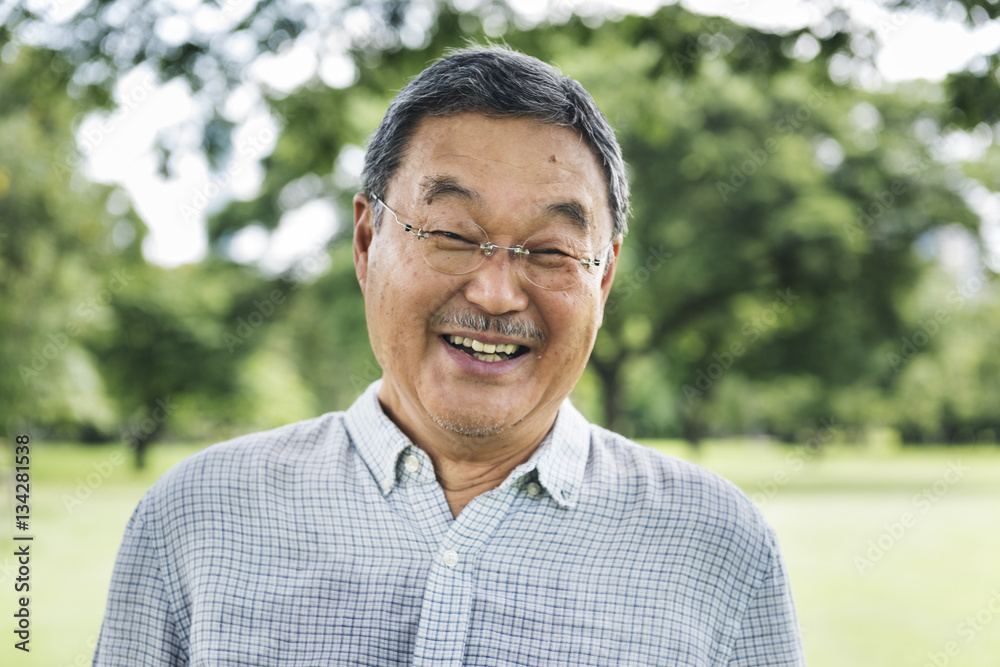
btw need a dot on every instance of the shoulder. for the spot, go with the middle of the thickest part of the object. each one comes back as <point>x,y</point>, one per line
<point>677,496</point>
<point>223,472</point>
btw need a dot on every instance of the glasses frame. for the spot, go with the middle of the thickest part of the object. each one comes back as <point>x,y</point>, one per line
<point>488,248</point>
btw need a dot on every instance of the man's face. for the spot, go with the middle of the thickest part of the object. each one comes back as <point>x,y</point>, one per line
<point>514,177</point>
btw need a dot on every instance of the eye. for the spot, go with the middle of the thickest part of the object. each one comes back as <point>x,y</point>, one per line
<point>452,236</point>
<point>549,251</point>
<point>555,246</point>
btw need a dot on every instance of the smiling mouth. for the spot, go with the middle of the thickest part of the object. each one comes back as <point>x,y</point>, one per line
<point>488,352</point>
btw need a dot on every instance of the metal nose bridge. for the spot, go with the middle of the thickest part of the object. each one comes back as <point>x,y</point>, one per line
<point>489,247</point>
<point>515,253</point>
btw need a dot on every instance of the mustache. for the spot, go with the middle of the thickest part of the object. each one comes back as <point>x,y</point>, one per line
<point>503,326</point>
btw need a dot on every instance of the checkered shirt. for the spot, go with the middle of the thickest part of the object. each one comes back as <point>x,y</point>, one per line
<point>330,542</point>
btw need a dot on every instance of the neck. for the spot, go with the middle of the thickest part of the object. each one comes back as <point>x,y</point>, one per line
<point>462,479</point>
<point>467,466</point>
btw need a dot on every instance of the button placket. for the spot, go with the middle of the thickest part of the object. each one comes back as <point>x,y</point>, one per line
<point>447,604</point>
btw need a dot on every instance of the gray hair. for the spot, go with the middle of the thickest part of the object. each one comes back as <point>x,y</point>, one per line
<point>498,81</point>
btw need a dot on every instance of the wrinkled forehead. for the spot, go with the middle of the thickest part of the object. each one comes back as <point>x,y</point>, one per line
<point>511,167</point>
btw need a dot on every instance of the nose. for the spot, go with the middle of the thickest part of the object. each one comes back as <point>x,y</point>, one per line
<point>496,286</point>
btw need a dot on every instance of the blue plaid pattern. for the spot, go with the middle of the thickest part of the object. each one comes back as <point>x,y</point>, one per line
<point>330,542</point>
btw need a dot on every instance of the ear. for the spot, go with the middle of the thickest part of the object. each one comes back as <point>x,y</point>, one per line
<point>364,232</point>
<point>609,275</point>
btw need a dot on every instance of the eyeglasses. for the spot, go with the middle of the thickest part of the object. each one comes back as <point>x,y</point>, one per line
<point>457,246</point>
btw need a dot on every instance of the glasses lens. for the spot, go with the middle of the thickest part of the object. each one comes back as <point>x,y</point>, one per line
<point>452,245</point>
<point>553,261</point>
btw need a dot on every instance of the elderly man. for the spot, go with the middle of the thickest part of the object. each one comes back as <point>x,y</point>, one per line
<point>461,512</point>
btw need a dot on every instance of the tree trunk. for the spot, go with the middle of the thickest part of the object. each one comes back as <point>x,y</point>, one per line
<point>692,426</point>
<point>611,401</point>
<point>144,434</point>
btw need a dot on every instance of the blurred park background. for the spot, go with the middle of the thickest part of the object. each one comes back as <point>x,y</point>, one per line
<point>806,301</point>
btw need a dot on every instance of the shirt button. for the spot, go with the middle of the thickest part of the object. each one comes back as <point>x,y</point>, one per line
<point>450,558</point>
<point>533,489</point>
<point>386,484</point>
<point>412,463</point>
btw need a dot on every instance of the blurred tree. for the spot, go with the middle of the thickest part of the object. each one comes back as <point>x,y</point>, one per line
<point>179,335</point>
<point>947,362</point>
<point>974,92</point>
<point>777,206</point>
<point>60,247</point>
<point>94,341</point>
<point>788,205</point>
<point>211,47</point>
<point>775,210</point>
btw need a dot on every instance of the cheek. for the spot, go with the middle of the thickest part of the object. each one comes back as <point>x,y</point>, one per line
<point>584,307</point>
<point>573,323</point>
<point>382,302</point>
<point>389,268</point>
<point>402,295</point>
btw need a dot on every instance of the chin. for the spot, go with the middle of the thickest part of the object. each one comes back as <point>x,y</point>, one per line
<point>481,421</point>
<point>470,415</point>
<point>470,427</point>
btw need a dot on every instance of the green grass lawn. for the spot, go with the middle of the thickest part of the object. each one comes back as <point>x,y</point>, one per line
<point>923,592</point>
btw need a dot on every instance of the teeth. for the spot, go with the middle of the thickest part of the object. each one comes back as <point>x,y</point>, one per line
<point>485,351</point>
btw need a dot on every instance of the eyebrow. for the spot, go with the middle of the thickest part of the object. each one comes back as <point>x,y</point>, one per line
<point>445,186</point>
<point>573,210</point>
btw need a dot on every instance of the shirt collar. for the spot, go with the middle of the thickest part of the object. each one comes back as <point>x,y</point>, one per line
<point>378,439</point>
<point>561,459</point>
<point>558,463</point>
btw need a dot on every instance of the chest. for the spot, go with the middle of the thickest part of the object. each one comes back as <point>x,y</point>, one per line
<point>508,586</point>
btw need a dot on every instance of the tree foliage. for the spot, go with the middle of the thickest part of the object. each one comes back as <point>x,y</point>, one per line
<point>781,255</point>
<point>57,247</point>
